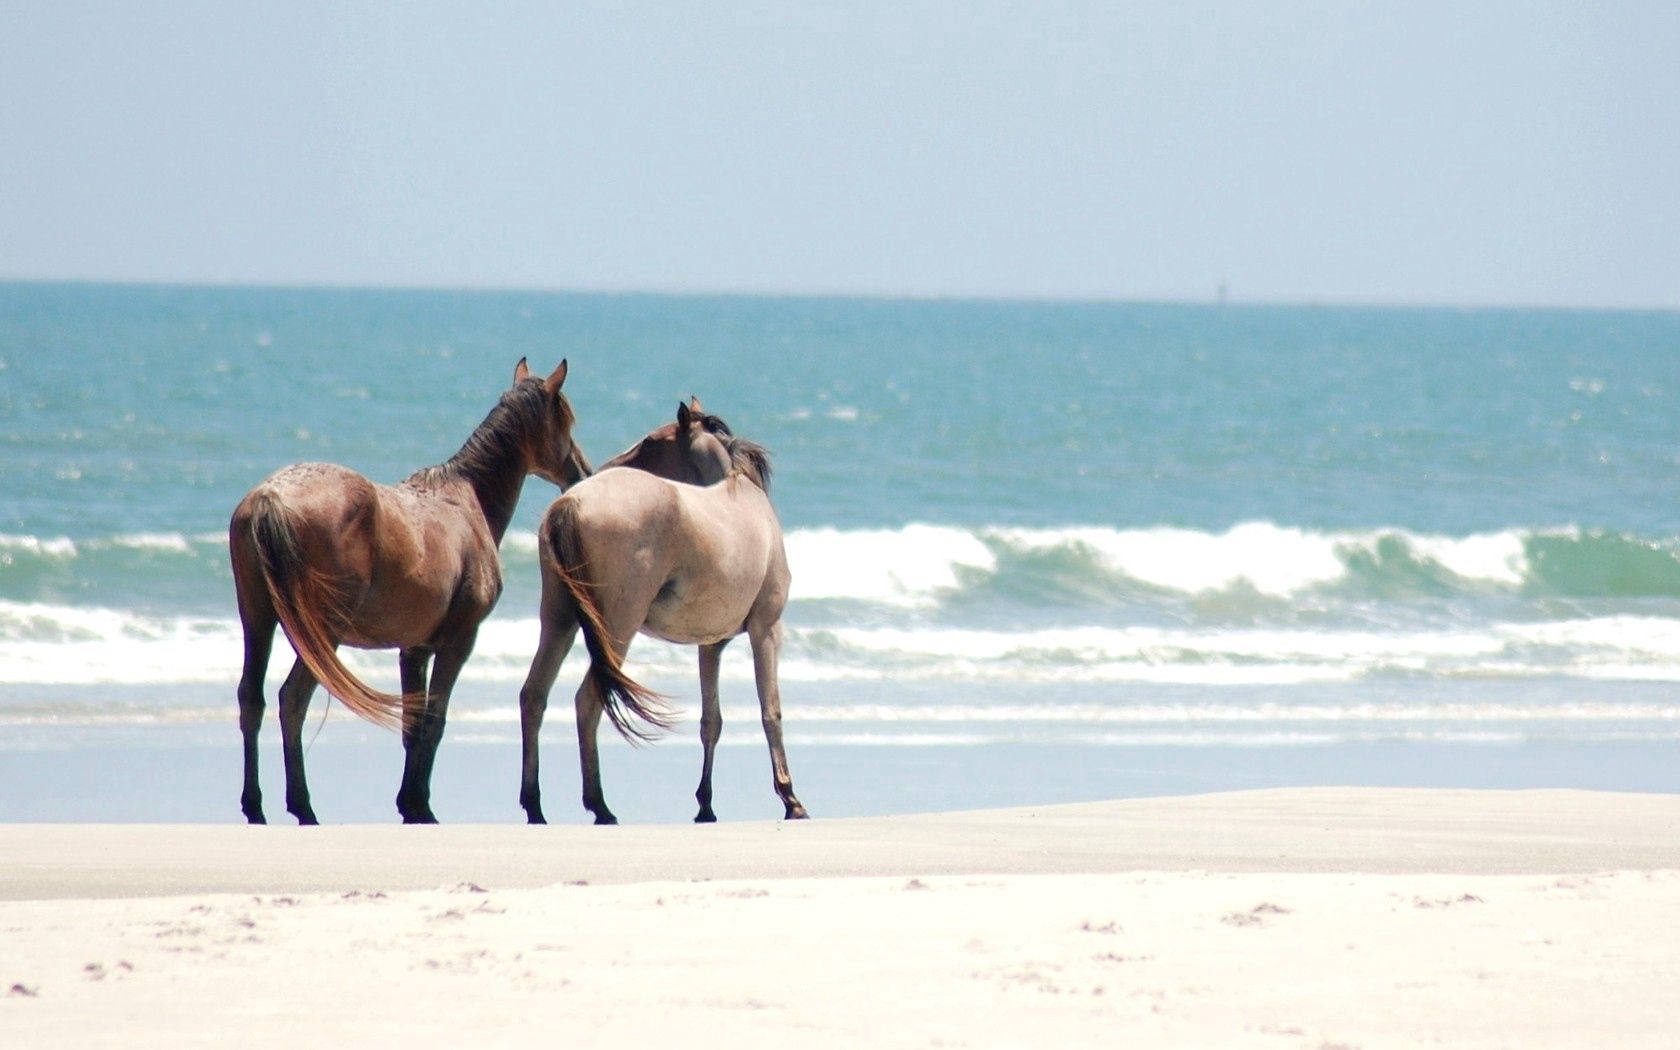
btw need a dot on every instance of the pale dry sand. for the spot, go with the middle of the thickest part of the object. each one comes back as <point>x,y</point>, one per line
<point>1299,918</point>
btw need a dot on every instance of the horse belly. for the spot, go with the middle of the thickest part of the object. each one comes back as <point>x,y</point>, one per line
<point>396,618</point>
<point>697,616</point>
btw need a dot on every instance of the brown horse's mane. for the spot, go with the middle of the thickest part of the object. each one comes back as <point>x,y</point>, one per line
<point>748,457</point>
<point>517,415</point>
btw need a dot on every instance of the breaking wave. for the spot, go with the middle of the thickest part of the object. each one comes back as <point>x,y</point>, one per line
<point>925,564</point>
<point>919,565</point>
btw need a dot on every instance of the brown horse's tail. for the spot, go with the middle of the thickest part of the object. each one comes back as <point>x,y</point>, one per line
<point>307,601</point>
<point>619,691</point>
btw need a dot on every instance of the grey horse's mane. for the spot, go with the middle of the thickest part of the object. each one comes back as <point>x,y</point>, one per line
<point>748,457</point>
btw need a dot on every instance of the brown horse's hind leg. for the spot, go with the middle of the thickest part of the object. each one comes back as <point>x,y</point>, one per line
<point>711,726</point>
<point>411,666</point>
<point>259,621</point>
<point>294,708</point>
<point>559,631</point>
<point>766,649</point>
<point>259,642</point>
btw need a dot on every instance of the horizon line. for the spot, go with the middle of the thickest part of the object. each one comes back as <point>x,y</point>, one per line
<point>1328,302</point>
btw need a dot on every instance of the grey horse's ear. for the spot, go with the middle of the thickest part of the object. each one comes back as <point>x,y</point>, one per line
<point>694,405</point>
<point>685,417</point>
<point>556,377</point>
<point>521,372</point>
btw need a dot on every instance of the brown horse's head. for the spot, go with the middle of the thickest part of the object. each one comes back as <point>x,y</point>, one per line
<point>695,449</point>
<point>554,456</point>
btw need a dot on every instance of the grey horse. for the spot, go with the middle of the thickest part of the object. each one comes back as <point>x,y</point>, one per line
<point>697,560</point>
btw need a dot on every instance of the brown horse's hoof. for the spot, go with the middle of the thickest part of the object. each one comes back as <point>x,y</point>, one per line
<point>706,816</point>
<point>797,812</point>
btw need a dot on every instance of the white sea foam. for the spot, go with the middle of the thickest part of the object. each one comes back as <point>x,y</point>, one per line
<point>1272,559</point>
<point>1163,645</point>
<point>45,644</point>
<point>173,542</point>
<point>906,566</point>
<point>912,565</point>
<point>63,548</point>
<point>1497,557</point>
<point>1093,722</point>
<point>58,547</point>
<point>519,541</point>
<point>901,567</point>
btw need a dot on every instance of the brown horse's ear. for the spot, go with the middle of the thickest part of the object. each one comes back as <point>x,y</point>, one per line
<point>556,377</point>
<point>685,417</point>
<point>521,372</point>
<point>694,405</point>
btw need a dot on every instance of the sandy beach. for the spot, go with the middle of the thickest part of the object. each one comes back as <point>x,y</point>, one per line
<point>1303,917</point>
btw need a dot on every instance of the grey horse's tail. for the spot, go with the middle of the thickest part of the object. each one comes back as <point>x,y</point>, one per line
<point>562,554</point>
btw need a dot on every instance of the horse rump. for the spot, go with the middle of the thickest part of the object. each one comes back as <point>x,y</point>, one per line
<point>562,554</point>
<point>307,602</point>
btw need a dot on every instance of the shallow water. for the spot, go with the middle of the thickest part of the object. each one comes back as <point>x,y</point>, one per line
<point>1261,544</point>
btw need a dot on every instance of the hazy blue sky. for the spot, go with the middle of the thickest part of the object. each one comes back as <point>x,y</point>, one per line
<point>1458,153</point>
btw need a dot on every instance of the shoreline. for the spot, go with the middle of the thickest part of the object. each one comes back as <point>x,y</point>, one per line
<point>1378,831</point>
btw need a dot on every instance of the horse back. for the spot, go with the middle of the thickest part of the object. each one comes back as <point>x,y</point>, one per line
<point>406,561</point>
<point>701,561</point>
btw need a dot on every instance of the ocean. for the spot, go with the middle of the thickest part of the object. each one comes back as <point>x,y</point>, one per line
<point>1041,552</point>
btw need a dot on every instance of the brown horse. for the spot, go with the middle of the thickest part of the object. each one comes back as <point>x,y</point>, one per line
<point>633,550</point>
<point>335,558</point>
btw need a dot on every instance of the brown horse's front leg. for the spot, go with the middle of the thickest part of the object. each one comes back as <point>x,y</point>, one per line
<point>711,726</point>
<point>766,649</point>
<point>446,668</point>
<point>412,666</point>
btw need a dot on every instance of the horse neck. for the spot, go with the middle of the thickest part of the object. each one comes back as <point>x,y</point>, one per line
<point>496,479</point>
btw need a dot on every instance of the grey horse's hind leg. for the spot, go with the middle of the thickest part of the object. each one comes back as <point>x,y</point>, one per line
<point>590,705</point>
<point>559,631</point>
<point>711,725</point>
<point>294,708</point>
<point>621,616</point>
<point>766,649</point>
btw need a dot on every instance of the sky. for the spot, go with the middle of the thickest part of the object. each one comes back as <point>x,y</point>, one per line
<point>1447,153</point>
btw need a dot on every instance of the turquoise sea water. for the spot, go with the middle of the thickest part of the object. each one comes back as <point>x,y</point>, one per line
<point>1041,551</point>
